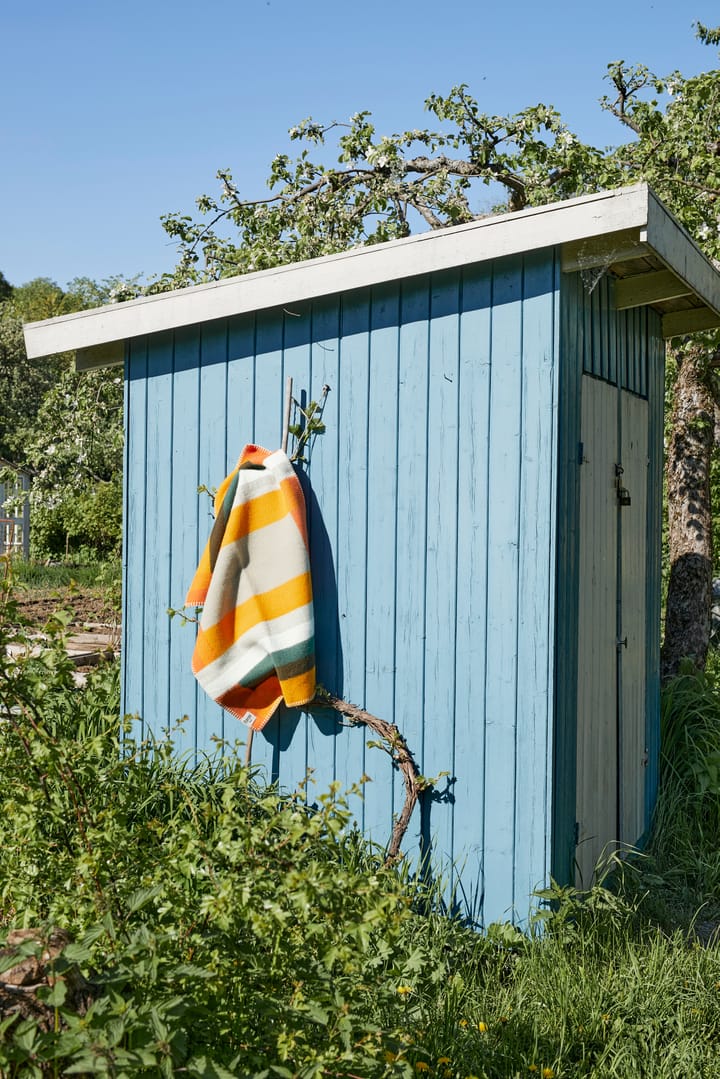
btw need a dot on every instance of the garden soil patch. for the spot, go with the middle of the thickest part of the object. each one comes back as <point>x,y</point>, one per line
<point>86,607</point>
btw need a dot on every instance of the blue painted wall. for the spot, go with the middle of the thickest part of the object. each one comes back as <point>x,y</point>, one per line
<point>431,499</point>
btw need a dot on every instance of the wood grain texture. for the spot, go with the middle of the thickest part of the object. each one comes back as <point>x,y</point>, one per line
<point>597,652</point>
<point>634,539</point>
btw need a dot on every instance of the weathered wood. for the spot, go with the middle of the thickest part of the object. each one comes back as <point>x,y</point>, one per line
<point>633,626</point>
<point>678,323</point>
<point>648,288</point>
<point>597,655</point>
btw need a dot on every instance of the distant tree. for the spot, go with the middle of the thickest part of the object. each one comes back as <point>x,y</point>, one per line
<point>384,187</point>
<point>66,428</point>
<point>23,382</point>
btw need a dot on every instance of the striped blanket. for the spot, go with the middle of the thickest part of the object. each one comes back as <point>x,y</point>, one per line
<point>255,644</point>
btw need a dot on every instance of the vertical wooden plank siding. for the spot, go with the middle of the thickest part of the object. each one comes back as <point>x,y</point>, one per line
<point>597,654</point>
<point>133,613</point>
<point>441,569</point>
<point>411,519</point>
<point>502,595</point>
<point>536,593</point>
<point>382,469</point>
<point>474,424</point>
<point>212,455</point>
<point>183,415</point>
<point>157,537</point>
<point>633,522</point>
<point>575,345</point>
<point>431,504</point>
<point>322,734</point>
<point>351,448</point>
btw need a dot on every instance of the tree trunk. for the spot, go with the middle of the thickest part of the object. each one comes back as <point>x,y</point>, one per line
<point>689,451</point>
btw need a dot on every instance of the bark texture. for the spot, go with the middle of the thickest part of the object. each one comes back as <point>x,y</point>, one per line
<point>689,452</point>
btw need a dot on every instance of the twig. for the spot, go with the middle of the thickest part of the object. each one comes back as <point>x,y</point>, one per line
<point>399,752</point>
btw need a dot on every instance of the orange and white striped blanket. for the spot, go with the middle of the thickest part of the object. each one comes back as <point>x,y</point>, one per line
<point>256,640</point>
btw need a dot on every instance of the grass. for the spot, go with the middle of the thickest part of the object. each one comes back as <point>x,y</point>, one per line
<point>46,577</point>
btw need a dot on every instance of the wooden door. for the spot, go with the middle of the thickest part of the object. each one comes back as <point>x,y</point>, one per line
<point>611,645</point>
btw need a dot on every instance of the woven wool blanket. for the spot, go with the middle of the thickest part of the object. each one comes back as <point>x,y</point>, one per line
<point>256,639</point>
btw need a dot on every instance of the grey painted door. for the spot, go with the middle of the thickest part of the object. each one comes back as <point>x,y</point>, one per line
<point>611,646</point>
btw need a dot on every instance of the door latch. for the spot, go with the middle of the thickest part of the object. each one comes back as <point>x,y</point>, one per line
<point>623,495</point>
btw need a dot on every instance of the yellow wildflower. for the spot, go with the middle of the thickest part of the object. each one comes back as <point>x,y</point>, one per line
<point>443,1060</point>
<point>482,1027</point>
<point>421,1066</point>
<point>548,1073</point>
<point>463,1024</point>
<point>403,990</point>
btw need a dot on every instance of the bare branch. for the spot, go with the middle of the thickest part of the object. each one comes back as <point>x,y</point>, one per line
<point>398,750</point>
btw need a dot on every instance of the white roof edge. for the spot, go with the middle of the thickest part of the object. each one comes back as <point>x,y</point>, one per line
<point>479,241</point>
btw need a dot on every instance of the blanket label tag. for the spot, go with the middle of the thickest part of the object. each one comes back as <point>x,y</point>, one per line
<point>248,719</point>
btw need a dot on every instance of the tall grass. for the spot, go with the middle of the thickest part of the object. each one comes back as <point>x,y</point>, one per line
<point>29,575</point>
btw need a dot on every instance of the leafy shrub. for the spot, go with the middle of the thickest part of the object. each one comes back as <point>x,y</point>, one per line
<point>231,929</point>
<point>89,519</point>
<point>228,925</point>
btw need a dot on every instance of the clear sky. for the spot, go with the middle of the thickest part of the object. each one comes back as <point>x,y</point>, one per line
<point>113,114</point>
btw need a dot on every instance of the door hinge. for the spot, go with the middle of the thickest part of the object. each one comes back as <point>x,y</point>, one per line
<point>582,459</point>
<point>576,833</point>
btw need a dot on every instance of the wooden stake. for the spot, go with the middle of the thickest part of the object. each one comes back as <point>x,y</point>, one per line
<point>288,406</point>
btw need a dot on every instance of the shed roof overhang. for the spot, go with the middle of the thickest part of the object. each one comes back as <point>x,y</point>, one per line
<point>627,232</point>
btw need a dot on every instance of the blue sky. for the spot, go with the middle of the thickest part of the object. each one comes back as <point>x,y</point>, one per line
<point>116,113</point>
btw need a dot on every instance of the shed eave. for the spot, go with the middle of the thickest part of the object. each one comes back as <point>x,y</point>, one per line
<point>97,335</point>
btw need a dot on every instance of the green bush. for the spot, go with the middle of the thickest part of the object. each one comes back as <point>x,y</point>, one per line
<point>230,926</point>
<point>89,520</point>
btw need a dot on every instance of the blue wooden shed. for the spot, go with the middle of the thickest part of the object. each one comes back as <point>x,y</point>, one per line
<point>484,512</point>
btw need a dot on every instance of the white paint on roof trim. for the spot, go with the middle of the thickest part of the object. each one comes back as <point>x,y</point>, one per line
<point>479,241</point>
